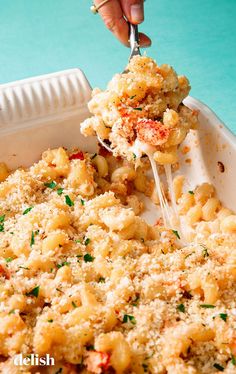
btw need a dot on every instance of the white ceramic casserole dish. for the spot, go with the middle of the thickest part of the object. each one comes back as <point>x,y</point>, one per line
<point>46,111</point>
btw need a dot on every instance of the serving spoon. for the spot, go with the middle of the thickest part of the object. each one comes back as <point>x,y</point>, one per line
<point>135,51</point>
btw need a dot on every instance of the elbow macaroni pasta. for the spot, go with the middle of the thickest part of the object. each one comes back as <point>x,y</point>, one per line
<point>142,107</point>
<point>85,279</point>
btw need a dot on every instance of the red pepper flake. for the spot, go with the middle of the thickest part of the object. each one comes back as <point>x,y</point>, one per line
<point>77,156</point>
<point>4,272</point>
<point>105,360</point>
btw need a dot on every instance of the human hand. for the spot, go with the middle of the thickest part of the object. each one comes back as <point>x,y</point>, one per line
<point>115,13</point>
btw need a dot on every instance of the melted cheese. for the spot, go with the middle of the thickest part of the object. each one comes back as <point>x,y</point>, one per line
<point>169,213</point>
<point>165,208</point>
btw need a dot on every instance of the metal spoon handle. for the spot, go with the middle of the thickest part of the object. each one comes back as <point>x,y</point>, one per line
<point>134,40</point>
<point>134,47</point>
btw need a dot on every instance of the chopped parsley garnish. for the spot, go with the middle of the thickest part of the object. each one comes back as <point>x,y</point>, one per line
<point>82,201</point>
<point>207,306</point>
<point>34,292</point>
<point>51,184</point>
<point>101,280</point>
<point>181,308</point>
<point>8,259</point>
<point>176,233</point>
<point>64,263</point>
<point>134,156</point>
<point>205,252</point>
<point>88,258</point>
<point>129,318</point>
<point>74,304</point>
<point>233,360</point>
<point>191,192</point>
<point>219,367</point>
<point>32,241</point>
<point>132,97</point>
<point>78,241</point>
<point>68,200</point>
<point>50,320</point>
<point>137,109</point>
<point>87,241</point>
<point>223,316</point>
<point>27,210</point>
<point>23,267</point>
<point>190,254</point>
<point>12,311</point>
<point>2,218</point>
<point>93,156</point>
<point>60,191</point>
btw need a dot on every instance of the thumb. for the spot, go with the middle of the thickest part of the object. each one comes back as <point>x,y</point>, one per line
<point>133,10</point>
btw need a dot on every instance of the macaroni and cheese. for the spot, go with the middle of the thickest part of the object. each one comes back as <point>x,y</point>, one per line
<point>85,279</point>
<point>142,109</point>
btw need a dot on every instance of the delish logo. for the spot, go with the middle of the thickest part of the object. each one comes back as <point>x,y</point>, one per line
<point>33,360</point>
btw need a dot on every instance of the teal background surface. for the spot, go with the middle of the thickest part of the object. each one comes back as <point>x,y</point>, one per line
<point>197,37</point>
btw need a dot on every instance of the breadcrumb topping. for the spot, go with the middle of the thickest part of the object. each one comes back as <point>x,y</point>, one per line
<point>85,279</point>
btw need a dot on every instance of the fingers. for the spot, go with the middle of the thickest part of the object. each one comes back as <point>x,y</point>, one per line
<point>144,40</point>
<point>112,14</point>
<point>133,10</point>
